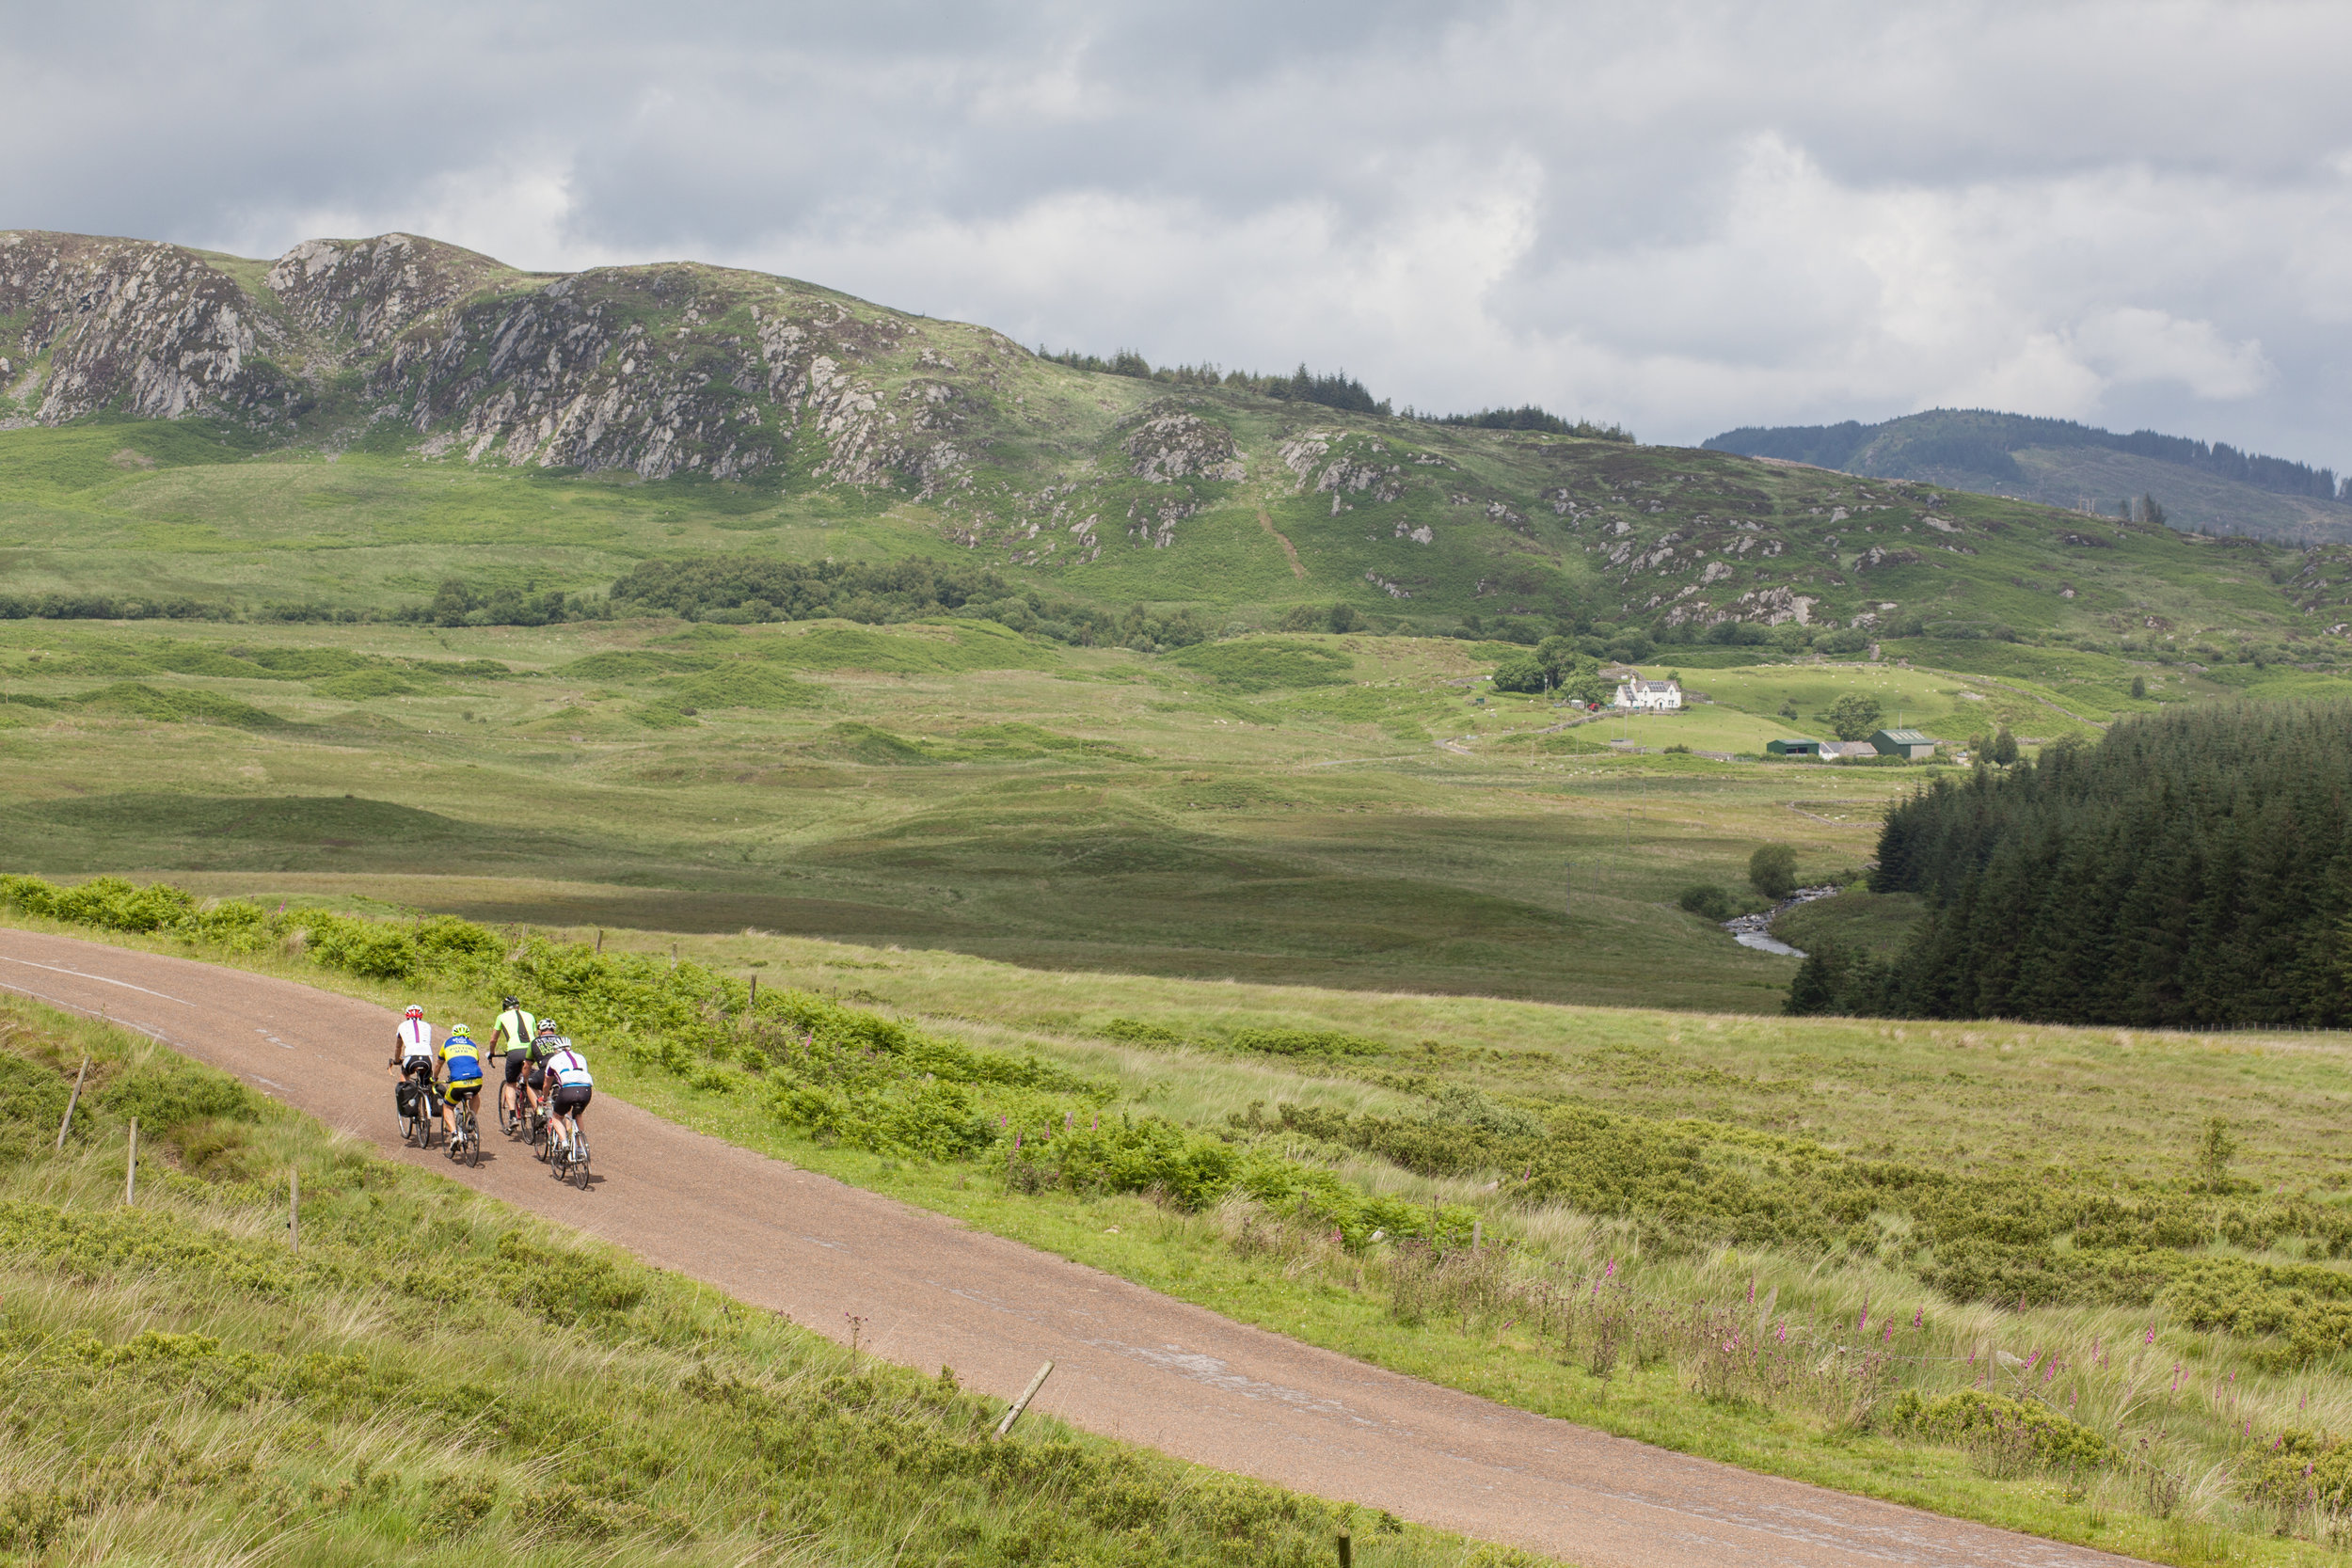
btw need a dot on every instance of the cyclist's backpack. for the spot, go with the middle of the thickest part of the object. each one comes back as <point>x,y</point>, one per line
<point>404,1100</point>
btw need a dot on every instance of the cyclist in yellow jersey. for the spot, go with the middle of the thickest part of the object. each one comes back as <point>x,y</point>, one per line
<point>513,1031</point>
<point>460,1074</point>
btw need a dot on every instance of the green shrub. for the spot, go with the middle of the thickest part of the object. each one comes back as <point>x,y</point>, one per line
<point>1128,1155</point>
<point>1772,870</point>
<point>1327,1044</point>
<point>1136,1032</point>
<point>1707,900</point>
<point>169,1091</point>
<point>2025,1428</point>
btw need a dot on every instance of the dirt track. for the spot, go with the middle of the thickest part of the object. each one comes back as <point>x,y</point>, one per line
<point>1128,1362</point>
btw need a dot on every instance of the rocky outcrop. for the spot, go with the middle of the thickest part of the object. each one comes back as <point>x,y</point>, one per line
<point>1173,444</point>
<point>661,370</point>
<point>136,327</point>
<point>354,296</point>
<point>1338,465</point>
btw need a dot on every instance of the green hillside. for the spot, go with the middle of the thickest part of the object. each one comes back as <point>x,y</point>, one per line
<point>392,427</point>
<point>2212,489</point>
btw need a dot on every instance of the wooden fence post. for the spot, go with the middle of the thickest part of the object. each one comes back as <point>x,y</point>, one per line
<point>131,1166</point>
<point>600,938</point>
<point>70,1102</point>
<point>1023,1402</point>
<point>1347,1551</point>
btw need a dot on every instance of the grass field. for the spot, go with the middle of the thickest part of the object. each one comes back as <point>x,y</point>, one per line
<point>1116,861</point>
<point>434,1378</point>
<point>945,785</point>
<point>2165,1408</point>
<point>1302,809</point>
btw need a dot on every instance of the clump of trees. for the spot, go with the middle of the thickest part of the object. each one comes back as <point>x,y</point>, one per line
<point>1772,871</point>
<point>1338,390</point>
<point>1527,417</point>
<point>1854,715</point>
<point>740,590</point>
<point>2194,869</point>
<point>1556,664</point>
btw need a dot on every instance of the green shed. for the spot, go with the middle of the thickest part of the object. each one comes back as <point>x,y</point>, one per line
<point>1903,743</point>
<point>1792,748</point>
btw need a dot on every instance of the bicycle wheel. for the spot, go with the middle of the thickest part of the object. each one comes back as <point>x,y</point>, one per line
<point>508,1120</point>
<point>473,1141</point>
<point>579,1171</point>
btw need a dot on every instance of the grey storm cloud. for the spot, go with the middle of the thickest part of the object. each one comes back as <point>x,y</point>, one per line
<point>1685,216</point>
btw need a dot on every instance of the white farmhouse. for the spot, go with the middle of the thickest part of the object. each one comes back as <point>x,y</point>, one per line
<point>1656,696</point>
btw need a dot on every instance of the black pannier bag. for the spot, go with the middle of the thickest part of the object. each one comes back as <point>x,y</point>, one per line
<point>404,1100</point>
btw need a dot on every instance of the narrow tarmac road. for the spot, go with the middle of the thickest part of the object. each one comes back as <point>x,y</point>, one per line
<point>1128,1362</point>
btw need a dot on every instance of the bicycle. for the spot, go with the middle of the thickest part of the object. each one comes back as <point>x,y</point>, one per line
<point>467,1144</point>
<point>423,1111</point>
<point>568,1160</point>
<point>510,1116</point>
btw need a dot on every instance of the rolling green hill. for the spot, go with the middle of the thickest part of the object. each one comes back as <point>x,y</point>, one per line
<point>394,427</point>
<point>2205,488</point>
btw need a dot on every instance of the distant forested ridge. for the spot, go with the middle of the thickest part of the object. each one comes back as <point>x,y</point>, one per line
<point>2192,870</point>
<point>1979,440</point>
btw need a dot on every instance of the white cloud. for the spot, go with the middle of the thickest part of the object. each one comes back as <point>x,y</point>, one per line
<point>2133,344</point>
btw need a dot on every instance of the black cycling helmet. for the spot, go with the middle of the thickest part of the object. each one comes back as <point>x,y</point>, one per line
<point>509,1002</point>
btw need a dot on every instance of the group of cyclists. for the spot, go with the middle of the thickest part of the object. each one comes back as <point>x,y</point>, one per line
<point>543,1070</point>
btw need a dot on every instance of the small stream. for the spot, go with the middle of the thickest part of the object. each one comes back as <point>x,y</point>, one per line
<point>1754,930</point>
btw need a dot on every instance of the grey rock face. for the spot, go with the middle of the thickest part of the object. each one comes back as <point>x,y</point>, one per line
<point>661,370</point>
<point>1171,444</point>
<point>148,329</point>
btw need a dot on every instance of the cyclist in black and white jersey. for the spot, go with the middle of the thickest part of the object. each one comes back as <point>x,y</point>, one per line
<point>569,1088</point>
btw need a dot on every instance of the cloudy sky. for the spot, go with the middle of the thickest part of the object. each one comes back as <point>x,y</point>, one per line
<point>1682,217</point>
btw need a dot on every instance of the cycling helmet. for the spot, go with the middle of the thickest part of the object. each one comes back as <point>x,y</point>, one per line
<point>509,1002</point>
<point>459,1032</point>
<point>546,1026</point>
<point>414,1011</point>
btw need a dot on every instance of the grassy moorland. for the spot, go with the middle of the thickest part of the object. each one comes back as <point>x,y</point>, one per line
<point>1306,807</point>
<point>433,1377</point>
<point>1276,809</point>
<point>2078,1282</point>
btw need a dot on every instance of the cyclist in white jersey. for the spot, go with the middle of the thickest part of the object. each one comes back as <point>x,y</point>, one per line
<point>568,1078</point>
<point>411,1041</point>
<point>412,1049</point>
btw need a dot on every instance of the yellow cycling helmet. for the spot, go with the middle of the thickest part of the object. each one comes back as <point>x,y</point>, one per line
<point>458,1031</point>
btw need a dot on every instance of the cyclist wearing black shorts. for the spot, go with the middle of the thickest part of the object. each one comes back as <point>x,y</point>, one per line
<point>461,1072</point>
<point>412,1054</point>
<point>572,1089</point>
<point>513,1035</point>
